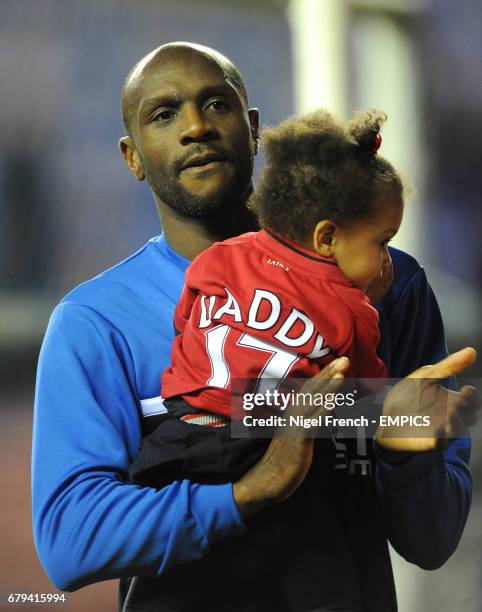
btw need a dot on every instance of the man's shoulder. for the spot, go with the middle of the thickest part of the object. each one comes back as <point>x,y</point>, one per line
<point>404,264</point>
<point>147,272</point>
<point>408,278</point>
<point>116,278</point>
<point>123,313</point>
<point>405,269</point>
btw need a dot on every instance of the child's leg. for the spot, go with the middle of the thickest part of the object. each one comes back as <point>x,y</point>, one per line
<point>178,449</point>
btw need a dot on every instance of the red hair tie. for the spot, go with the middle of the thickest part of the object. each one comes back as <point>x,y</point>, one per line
<point>377,143</point>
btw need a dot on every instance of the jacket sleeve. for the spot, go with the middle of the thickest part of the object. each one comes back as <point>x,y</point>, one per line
<point>89,523</point>
<point>425,497</point>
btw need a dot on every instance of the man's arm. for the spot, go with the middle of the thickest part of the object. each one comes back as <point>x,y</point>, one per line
<point>89,523</point>
<point>426,496</point>
<point>284,466</point>
<point>288,458</point>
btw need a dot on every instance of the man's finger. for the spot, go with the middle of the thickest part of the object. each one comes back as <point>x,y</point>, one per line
<point>331,376</point>
<point>455,427</point>
<point>469,415</point>
<point>450,366</point>
<point>467,405</point>
<point>337,366</point>
<point>441,440</point>
<point>471,396</point>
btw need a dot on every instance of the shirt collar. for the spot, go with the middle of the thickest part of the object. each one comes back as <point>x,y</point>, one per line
<point>291,253</point>
<point>167,251</point>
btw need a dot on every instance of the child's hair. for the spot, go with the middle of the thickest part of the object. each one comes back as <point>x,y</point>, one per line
<point>317,168</point>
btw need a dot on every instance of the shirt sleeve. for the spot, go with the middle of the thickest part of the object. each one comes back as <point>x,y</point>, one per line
<point>363,353</point>
<point>426,497</point>
<point>89,523</point>
<point>360,337</point>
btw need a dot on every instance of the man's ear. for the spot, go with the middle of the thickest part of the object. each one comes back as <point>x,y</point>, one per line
<point>253,114</point>
<point>323,238</point>
<point>130,154</point>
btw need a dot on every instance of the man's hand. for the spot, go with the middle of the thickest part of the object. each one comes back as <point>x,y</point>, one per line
<point>381,284</point>
<point>287,460</point>
<point>419,394</point>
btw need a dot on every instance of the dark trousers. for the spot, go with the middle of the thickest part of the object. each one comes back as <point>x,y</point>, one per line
<point>293,556</point>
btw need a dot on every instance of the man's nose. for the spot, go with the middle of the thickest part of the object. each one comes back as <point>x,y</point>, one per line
<point>195,126</point>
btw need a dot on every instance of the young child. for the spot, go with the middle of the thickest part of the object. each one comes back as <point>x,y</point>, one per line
<point>275,304</point>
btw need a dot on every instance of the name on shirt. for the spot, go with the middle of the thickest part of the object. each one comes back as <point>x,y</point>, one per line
<point>265,312</point>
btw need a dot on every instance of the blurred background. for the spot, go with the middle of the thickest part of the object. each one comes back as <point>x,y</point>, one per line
<point>69,208</point>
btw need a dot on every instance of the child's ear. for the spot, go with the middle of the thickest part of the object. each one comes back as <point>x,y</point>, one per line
<point>323,238</point>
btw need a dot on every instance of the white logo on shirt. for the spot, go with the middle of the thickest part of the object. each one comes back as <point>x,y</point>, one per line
<point>277,263</point>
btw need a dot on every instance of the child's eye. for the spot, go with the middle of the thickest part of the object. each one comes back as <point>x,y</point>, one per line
<point>384,243</point>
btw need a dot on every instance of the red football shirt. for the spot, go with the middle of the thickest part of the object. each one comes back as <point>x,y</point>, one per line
<point>261,307</point>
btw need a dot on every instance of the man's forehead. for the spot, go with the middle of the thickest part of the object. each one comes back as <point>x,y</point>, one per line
<point>178,66</point>
<point>171,67</point>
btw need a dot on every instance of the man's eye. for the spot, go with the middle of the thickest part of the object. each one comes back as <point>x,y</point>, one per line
<point>218,105</point>
<point>163,115</point>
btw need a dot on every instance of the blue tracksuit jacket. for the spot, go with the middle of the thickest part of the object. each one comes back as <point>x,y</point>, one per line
<point>98,392</point>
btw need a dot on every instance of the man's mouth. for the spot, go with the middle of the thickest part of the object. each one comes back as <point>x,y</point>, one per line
<point>204,161</point>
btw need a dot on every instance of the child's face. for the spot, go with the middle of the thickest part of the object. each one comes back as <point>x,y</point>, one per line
<point>361,249</point>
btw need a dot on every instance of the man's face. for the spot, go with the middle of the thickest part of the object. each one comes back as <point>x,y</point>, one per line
<point>193,134</point>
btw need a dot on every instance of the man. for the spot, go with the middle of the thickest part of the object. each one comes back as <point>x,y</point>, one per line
<point>193,137</point>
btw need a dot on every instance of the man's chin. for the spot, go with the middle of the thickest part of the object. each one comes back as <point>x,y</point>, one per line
<point>202,209</point>
<point>203,195</point>
<point>212,195</point>
<point>201,205</point>
<point>209,183</point>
